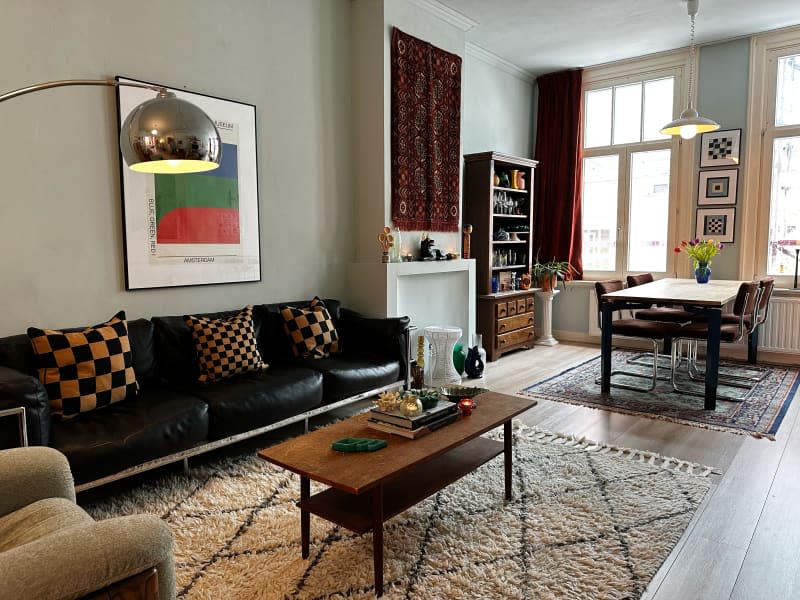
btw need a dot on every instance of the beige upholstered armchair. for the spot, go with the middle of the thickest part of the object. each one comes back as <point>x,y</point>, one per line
<point>51,548</point>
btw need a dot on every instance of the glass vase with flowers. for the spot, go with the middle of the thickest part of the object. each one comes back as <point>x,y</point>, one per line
<point>701,253</point>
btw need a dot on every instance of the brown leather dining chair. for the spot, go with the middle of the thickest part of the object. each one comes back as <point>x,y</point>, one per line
<point>730,333</point>
<point>669,314</point>
<point>654,331</point>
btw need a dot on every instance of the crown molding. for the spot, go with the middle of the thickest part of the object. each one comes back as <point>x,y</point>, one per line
<point>446,14</point>
<point>499,62</point>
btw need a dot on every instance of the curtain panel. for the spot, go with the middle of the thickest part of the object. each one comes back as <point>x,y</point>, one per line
<point>425,135</point>
<point>559,133</point>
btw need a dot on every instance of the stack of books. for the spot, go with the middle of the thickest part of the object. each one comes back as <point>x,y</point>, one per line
<point>443,413</point>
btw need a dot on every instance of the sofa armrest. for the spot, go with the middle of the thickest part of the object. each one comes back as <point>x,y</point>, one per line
<point>19,389</point>
<point>31,474</point>
<point>77,560</point>
<point>386,337</point>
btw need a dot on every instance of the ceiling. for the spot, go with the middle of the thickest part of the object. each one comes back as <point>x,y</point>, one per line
<point>542,36</point>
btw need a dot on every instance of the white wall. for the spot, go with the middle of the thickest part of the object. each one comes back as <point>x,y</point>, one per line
<point>60,220</point>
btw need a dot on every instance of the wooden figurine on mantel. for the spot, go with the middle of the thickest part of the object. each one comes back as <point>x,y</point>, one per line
<point>465,250</point>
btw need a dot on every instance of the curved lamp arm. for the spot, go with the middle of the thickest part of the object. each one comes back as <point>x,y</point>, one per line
<point>65,82</point>
<point>162,135</point>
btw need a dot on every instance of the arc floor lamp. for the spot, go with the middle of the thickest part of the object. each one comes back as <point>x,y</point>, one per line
<point>162,135</point>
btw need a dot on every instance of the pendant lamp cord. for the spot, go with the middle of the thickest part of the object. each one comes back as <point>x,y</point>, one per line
<point>691,62</point>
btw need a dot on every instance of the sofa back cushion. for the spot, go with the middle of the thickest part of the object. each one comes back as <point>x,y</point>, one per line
<point>87,369</point>
<point>176,355</point>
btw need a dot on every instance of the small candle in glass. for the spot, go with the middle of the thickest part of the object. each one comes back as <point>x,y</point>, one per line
<point>466,406</point>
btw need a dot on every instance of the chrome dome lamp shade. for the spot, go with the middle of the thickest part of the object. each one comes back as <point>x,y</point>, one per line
<point>689,124</point>
<point>169,135</point>
<point>161,135</point>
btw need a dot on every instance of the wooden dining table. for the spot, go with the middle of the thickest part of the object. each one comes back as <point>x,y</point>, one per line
<point>708,298</point>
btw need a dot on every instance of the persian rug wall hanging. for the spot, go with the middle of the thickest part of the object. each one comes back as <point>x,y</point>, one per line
<point>237,529</point>
<point>759,415</point>
<point>426,135</point>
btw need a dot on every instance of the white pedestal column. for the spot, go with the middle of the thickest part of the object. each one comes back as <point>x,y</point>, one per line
<point>546,319</point>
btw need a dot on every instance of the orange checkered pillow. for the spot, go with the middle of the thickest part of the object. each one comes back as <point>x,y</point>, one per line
<point>225,347</point>
<point>87,369</point>
<point>311,330</point>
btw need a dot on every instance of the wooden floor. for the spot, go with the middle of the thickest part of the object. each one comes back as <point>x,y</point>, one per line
<point>744,541</point>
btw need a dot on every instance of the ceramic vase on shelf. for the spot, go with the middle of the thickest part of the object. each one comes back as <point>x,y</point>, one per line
<point>702,273</point>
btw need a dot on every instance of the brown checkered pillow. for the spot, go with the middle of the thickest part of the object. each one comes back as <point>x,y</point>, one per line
<point>87,369</point>
<point>311,330</point>
<point>225,347</point>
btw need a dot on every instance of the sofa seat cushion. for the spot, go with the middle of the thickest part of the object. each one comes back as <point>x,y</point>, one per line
<point>39,519</point>
<point>346,375</point>
<point>159,422</point>
<point>258,399</point>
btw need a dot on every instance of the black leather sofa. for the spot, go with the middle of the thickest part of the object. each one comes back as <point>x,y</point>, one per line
<point>175,417</point>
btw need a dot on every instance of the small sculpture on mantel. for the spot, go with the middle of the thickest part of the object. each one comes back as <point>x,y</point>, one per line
<point>426,247</point>
<point>386,241</point>
<point>465,248</point>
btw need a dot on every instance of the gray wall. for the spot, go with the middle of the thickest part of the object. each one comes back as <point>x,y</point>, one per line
<point>60,221</point>
<point>722,96</point>
<point>497,109</point>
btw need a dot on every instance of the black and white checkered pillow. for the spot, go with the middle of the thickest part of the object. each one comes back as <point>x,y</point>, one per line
<point>87,369</point>
<point>311,330</point>
<point>225,347</point>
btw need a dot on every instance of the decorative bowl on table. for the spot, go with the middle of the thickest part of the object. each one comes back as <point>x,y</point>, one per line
<point>456,393</point>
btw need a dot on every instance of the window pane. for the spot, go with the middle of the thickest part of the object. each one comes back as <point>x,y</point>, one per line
<point>784,211</point>
<point>658,96</point>
<point>599,214</point>
<point>787,96</point>
<point>627,113</point>
<point>598,119</point>
<point>649,211</point>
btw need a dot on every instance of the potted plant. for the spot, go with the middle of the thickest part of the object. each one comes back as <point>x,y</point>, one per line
<point>548,273</point>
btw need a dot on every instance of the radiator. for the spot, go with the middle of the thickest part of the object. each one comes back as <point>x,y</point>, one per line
<point>781,331</point>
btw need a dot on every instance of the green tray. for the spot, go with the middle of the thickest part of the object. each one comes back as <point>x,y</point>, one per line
<point>359,444</point>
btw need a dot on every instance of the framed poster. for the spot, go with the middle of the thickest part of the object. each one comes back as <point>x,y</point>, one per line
<point>194,228</point>
<point>717,187</point>
<point>715,223</point>
<point>720,148</point>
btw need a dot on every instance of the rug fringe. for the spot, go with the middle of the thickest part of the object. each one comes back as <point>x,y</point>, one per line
<point>642,456</point>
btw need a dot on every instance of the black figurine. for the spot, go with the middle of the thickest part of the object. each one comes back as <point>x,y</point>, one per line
<point>426,247</point>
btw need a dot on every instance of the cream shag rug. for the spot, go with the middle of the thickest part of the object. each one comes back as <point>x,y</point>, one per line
<point>587,521</point>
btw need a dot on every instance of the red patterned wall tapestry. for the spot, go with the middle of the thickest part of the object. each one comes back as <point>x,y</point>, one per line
<point>426,135</point>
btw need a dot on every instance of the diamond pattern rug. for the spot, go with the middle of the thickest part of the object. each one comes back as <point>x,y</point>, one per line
<point>587,521</point>
<point>759,415</point>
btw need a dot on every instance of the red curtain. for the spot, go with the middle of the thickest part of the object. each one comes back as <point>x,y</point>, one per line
<point>426,135</point>
<point>559,132</point>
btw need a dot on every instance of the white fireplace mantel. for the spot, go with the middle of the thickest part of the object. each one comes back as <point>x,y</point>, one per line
<point>438,293</point>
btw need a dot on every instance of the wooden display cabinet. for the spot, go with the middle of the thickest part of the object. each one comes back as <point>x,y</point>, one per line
<point>501,215</point>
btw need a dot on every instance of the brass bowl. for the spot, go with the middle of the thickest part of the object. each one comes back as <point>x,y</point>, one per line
<point>456,393</point>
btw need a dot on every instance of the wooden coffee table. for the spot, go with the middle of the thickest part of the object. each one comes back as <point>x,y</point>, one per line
<point>369,488</point>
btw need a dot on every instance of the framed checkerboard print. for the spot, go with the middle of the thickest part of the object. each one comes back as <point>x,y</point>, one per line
<point>717,186</point>
<point>720,148</point>
<point>715,223</point>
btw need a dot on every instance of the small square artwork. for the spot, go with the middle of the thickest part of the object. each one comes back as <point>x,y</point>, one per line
<point>717,187</point>
<point>715,223</point>
<point>720,148</point>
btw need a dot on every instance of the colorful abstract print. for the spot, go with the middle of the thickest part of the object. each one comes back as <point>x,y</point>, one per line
<point>201,208</point>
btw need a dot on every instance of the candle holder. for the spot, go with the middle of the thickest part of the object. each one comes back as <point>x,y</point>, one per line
<point>466,406</point>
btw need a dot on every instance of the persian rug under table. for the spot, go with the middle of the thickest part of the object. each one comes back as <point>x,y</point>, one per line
<point>587,521</point>
<point>759,415</point>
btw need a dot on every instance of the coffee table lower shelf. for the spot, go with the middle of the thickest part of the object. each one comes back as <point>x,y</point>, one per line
<point>355,512</point>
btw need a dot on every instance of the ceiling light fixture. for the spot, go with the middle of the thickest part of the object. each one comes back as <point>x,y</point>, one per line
<point>162,135</point>
<point>690,123</point>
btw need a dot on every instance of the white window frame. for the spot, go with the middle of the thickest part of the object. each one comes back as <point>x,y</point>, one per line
<point>681,188</point>
<point>765,50</point>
